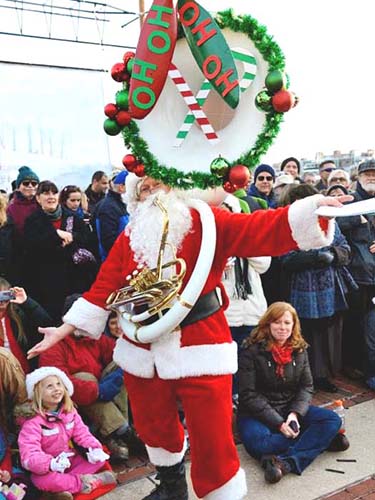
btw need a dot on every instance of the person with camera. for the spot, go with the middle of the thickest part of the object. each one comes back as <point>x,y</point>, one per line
<point>20,317</point>
<point>276,422</point>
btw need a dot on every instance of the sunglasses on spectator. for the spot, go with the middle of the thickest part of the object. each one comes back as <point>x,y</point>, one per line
<point>29,183</point>
<point>264,178</point>
<point>328,169</point>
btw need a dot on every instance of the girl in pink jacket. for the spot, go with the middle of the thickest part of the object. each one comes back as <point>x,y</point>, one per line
<point>46,440</point>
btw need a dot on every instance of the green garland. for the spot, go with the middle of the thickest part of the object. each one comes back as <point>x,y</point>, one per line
<point>271,53</point>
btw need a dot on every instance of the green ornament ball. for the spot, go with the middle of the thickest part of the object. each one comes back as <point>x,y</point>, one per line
<point>111,127</point>
<point>263,101</point>
<point>122,99</point>
<point>219,167</point>
<point>275,80</point>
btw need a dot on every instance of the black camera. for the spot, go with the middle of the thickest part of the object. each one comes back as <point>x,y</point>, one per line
<point>293,425</point>
<point>6,295</point>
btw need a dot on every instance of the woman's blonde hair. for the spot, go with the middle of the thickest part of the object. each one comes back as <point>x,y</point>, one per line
<point>67,404</point>
<point>3,209</point>
<point>262,333</point>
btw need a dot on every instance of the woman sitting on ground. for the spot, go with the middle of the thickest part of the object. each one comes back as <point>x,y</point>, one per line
<point>277,423</point>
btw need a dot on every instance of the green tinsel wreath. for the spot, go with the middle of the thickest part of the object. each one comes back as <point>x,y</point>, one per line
<point>271,53</point>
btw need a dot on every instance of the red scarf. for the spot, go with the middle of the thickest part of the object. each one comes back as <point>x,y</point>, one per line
<point>282,355</point>
<point>14,346</point>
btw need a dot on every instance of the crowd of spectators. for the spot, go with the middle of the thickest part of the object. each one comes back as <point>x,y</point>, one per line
<point>52,242</point>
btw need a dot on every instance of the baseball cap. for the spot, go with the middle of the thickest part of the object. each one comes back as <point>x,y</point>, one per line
<point>120,178</point>
<point>366,165</point>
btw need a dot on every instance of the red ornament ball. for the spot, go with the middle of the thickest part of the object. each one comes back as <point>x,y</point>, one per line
<point>283,101</point>
<point>139,170</point>
<point>127,56</point>
<point>110,110</point>
<point>119,73</point>
<point>129,162</point>
<point>123,118</point>
<point>239,176</point>
<point>229,187</point>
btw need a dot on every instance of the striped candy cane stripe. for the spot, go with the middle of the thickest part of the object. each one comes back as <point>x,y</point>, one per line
<point>250,70</point>
<point>193,105</point>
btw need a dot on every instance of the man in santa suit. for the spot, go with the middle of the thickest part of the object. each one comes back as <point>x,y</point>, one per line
<point>192,362</point>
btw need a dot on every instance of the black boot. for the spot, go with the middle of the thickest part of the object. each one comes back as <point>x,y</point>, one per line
<point>172,485</point>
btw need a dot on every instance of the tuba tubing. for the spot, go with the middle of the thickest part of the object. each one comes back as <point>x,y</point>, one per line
<point>177,313</point>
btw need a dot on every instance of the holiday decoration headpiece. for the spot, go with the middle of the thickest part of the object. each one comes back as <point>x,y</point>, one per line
<point>202,97</point>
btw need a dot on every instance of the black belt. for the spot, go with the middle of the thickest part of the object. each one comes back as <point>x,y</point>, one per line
<point>205,306</point>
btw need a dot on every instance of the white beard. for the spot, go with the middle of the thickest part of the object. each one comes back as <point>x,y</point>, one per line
<point>146,226</point>
<point>369,187</point>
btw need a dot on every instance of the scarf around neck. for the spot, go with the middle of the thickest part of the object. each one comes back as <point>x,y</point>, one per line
<point>282,355</point>
<point>56,215</point>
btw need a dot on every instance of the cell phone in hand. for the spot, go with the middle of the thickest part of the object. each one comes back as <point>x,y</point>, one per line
<point>293,425</point>
<point>6,295</point>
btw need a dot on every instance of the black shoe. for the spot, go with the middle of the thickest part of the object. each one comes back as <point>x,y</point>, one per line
<point>134,443</point>
<point>339,443</point>
<point>274,469</point>
<point>173,485</point>
<point>323,384</point>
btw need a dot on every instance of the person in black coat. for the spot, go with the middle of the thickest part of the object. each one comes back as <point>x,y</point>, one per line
<point>276,421</point>
<point>52,237</point>
<point>111,215</point>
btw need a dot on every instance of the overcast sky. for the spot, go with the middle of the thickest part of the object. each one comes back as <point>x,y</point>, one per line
<point>329,48</point>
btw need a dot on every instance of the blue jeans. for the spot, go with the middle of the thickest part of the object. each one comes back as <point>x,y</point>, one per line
<point>318,427</point>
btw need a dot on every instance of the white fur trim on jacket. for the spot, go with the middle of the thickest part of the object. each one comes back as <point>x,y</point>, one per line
<point>165,458</point>
<point>134,359</point>
<point>173,361</point>
<point>234,489</point>
<point>46,371</point>
<point>304,224</point>
<point>87,317</point>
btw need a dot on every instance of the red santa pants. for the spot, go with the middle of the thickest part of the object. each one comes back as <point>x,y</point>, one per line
<point>207,403</point>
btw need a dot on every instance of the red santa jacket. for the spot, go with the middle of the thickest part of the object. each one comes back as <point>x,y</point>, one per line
<point>80,354</point>
<point>204,347</point>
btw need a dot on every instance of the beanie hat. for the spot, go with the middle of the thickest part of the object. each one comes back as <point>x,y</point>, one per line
<point>26,173</point>
<point>287,160</point>
<point>336,186</point>
<point>45,371</point>
<point>120,178</point>
<point>264,168</point>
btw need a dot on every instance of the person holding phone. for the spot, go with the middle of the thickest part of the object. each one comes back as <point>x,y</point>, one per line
<point>20,316</point>
<point>276,421</point>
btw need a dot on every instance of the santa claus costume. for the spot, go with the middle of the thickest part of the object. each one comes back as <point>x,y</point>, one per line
<point>193,363</point>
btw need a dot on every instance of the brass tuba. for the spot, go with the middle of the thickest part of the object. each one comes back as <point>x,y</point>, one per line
<point>150,290</point>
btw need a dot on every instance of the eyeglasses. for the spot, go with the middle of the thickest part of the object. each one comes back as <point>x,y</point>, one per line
<point>29,183</point>
<point>328,169</point>
<point>338,179</point>
<point>265,178</point>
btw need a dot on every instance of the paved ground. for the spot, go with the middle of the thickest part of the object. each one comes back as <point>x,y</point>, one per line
<point>315,483</point>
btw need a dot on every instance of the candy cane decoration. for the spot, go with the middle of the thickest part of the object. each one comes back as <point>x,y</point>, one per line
<point>194,107</point>
<point>250,70</point>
